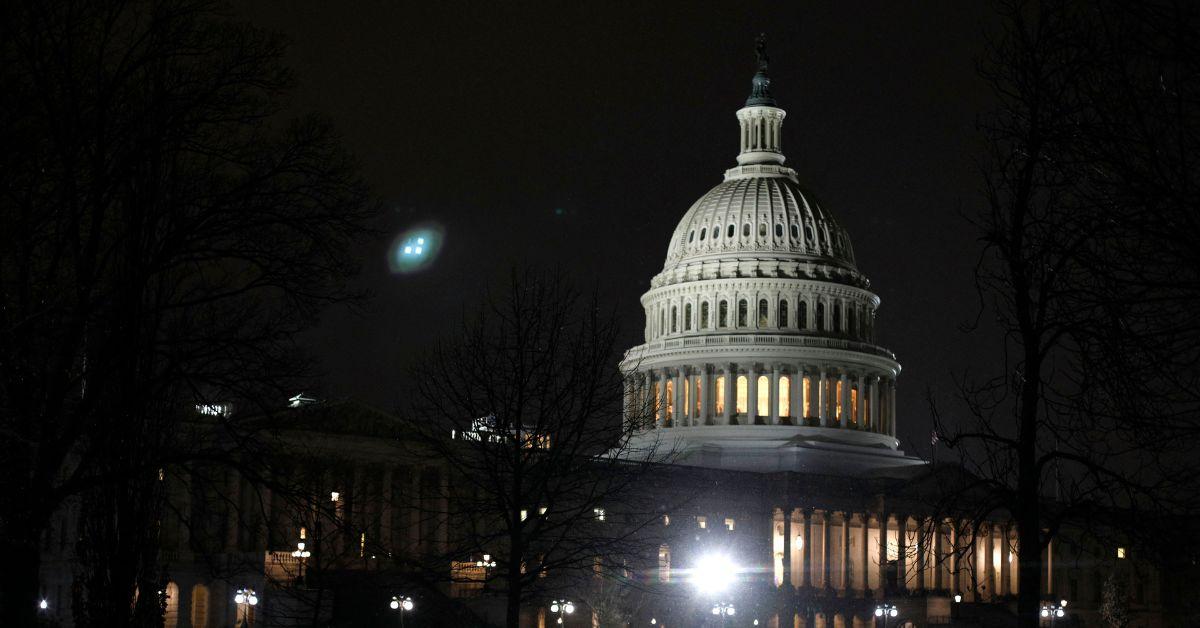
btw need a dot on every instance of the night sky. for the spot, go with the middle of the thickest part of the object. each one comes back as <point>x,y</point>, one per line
<point>576,135</point>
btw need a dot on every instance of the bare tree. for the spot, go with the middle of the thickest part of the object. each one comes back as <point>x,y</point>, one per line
<point>165,231</point>
<point>1090,186</point>
<point>526,411</point>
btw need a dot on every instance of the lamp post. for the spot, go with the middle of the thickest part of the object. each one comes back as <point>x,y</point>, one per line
<point>562,607</point>
<point>402,604</point>
<point>885,612</point>
<point>723,610</point>
<point>246,599</point>
<point>1052,611</point>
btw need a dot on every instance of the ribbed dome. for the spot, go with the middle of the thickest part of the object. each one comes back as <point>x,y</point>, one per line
<point>759,211</point>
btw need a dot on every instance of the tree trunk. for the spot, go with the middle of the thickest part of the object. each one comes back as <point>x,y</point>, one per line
<point>20,576</point>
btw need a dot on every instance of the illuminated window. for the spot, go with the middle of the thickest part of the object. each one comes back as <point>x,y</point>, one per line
<point>674,319</point>
<point>783,314</point>
<point>1121,553</point>
<point>854,406</point>
<point>699,397</point>
<point>785,395</point>
<point>702,521</point>
<point>808,397</point>
<point>542,510</point>
<point>742,394</point>
<point>820,317</point>
<point>687,396</point>
<point>704,315</point>
<point>670,413</point>
<point>837,399</point>
<point>687,317</point>
<point>599,512</point>
<point>657,399</point>
<point>666,520</point>
<point>743,312</point>
<point>720,394</point>
<point>199,606</point>
<point>723,314</point>
<point>729,523</point>
<point>664,563</point>
<point>763,405</point>
<point>802,321</point>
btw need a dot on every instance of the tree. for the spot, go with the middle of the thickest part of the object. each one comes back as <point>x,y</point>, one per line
<point>526,412</point>
<point>1090,190</point>
<point>1114,602</point>
<point>165,232</point>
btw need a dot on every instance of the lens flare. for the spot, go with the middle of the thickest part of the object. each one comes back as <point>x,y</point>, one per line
<point>416,249</point>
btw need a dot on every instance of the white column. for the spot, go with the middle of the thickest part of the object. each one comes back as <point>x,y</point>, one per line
<point>774,396</point>
<point>844,400</point>
<point>751,393</point>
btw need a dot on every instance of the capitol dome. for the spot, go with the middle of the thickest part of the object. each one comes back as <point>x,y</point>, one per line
<point>760,349</point>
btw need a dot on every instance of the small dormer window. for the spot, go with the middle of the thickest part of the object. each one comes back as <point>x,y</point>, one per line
<point>778,231</point>
<point>795,232</point>
<point>730,234</point>
<point>692,236</point>
<point>702,231</point>
<point>762,230</point>
<point>746,230</point>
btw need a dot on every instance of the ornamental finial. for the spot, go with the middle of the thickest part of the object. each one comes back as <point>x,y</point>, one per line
<point>760,51</point>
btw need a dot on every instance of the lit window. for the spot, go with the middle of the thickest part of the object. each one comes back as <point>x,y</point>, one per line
<point>524,514</point>
<point>670,400</point>
<point>837,400</point>
<point>720,395</point>
<point>542,510</point>
<point>808,398</point>
<point>763,405</point>
<point>702,521</point>
<point>699,398</point>
<point>599,512</point>
<point>335,496</point>
<point>729,523</point>
<point>854,406</point>
<point>1121,552</point>
<point>742,393</point>
<point>785,395</point>
<point>666,520</point>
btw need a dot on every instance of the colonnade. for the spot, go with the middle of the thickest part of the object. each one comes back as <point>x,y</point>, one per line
<point>765,394</point>
<point>856,552</point>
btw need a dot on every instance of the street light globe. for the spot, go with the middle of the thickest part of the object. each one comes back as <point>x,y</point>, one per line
<point>394,604</point>
<point>893,612</point>
<point>957,598</point>
<point>407,604</point>
<point>569,608</point>
<point>1045,612</point>
<point>714,573</point>
<point>240,598</point>
<point>1059,612</point>
<point>716,610</point>
<point>730,611</point>
<point>43,604</point>
<point>554,607</point>
<point>1062,603</point>
<point>879,612</point>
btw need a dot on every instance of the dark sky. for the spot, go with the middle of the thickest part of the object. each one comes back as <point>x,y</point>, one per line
<point>577,134</point>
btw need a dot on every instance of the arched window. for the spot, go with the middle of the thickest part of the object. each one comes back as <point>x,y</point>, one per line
<point>820,317</point>
<point>763,403</point>
<point>703,230</point>
<point>674,319</point>
<point>723,314</point>
<point>670,411</point>
<point>763,313</point>
<point>730,234</point>
<point>783,313</point>
<point>802,321</point>
<point>785,395</point>
<point>171,612</point>
<point>778,231</point>
<point>808,234</point>
<point>743,312</point>
<point>719,406</point>
<point>795,232</point>
<point>704,315</point>
<point>762,229</point>
<point>199,614</point>
<point>687,317</point>
<point>742,395</point>
<point>837,317</point>
<point>746,230</point>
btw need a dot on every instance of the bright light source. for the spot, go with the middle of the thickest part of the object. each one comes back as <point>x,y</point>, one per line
<point>879,612</point>
<point>394,604</point>
<point>1045,612</point>
<point>1062,603</point>
<point>957,597</point>
<point>714,573</point>
<point>240,598</point>
<point>554,607</point>
<point>1059,613</point>
<point>43,604</point>
<point>334,496</point>
<point>407,604</point>
<point>569,608</point>
<point>416,248</point>
<point>894,612</point>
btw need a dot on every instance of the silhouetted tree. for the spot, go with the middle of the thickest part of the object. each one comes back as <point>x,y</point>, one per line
<point>165,231</point>
<point>526,412</point>
<point>1092,276</point>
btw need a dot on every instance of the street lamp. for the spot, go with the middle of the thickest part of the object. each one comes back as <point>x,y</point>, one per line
<point>402,603</point>
<point>487,562</point>
<point>562,607</point>
<point>714,574</point>
<point>246,600</point>
<point>1051,611</point>
<point>958,598</point>
<point>723,610</point>
<point>886,611</point>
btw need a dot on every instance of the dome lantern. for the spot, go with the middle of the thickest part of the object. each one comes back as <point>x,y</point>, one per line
<point>760,120</point>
